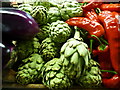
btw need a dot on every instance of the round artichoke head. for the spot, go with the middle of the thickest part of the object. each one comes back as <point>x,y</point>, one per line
<point>49,49</point>
<point>59,31</point>
<point>30,70</point>
<point>39,13</point>
<point>25,7</point>
<point>27,47</point>
<point>91,78</point>
<point>53,14</point>
<point>44,32</point>
<point>70,9</point>
<point>54,76</point>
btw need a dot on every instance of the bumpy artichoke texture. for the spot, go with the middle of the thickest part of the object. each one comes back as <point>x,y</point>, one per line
<point>25,7</point>
<point>75,56</point>
<point>48,49</point>
<point>27,47</point>
<point>50,3</point>
<point>39,13</point>
<point>53,14</point>
<point>44,32</point>
<point>54,76</point>
<point>30,70</point>
<point>91,78</point>
<point>59,31</point>
<point>70,9</point>
<point>47,3</point>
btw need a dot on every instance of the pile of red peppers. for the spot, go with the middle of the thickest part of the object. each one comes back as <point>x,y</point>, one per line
<point>104,27</point>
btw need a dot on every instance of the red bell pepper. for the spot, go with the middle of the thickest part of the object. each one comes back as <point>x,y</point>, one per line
<point>92,15</point>
<point>110,7</point>
<point>93,28</point>
<point>92,4</point>
<point>104,58</point>
<point>103,54</point>
<point>113,82</point>
<point>111,26</point>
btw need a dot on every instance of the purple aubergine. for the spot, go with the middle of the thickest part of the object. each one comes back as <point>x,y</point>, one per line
<point>7,49</point>
<point>17,24</point>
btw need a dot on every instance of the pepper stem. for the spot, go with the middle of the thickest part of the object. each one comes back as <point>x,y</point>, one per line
<point>103,40</point>
<point>109,71</point>
<point>91,43</point>
<point>96,38</point>
<point>101,44</point>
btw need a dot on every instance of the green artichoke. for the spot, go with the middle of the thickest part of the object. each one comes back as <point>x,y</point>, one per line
<point>44,32</point>
<point>75,56</point>
<point>25,7</point>
<point>59,31</point>
<point>91,78</point>
<point>53,14</point>
<point>48,49</point>
<point>30,70</point>
<point>39,13</point>
<point>70,9</point>
<point>48,3</point>
<point>27,47</point>
<point>54,76</point>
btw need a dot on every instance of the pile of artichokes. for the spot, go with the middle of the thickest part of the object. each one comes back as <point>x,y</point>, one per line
<point>57,56</point>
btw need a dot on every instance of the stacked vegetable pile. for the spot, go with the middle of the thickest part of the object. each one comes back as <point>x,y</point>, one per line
<point>77,43</point>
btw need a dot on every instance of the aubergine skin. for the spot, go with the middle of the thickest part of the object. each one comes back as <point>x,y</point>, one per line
<point>17,24</point>
<point>6,48</point>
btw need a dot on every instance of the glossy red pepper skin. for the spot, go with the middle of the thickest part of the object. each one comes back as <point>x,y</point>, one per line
<point>95,53</point>
<point>104,59</point>
<point>92,15</point>
<point>113,35</point>
<point>110,7</point>
<point>94,28</point>
<point>113,82</point>
<point>117,15</point>
<point>92,4</point>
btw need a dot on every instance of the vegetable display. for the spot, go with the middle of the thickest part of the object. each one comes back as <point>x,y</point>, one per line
<point>63,43</point>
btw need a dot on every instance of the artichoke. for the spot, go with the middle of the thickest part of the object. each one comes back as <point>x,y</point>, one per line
<point>27,47</point>
<point>54,76</point>
<point>59,31</point>
<point>75,56</point>
<point>91,78</point>
<point>70,9</point>
<point>30,70</point>
<point>39,13</point>
<point>44,32</point>
<point>48,3</point>
<point>48,49</point>
<point>25,7</point>
<point>53,14</point>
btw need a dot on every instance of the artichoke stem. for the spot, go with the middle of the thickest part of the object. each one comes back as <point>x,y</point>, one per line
<point>77,34</point>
